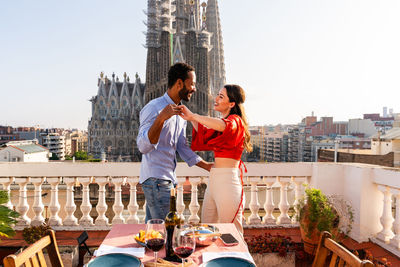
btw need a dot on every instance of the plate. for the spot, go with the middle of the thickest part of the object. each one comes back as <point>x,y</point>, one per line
<point>140,243</point>
<point>205,229</point>
<point>115,260</point>
<point>228,262</point>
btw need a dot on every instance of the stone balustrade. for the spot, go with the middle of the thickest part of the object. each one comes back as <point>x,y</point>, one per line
<point>272,191</point>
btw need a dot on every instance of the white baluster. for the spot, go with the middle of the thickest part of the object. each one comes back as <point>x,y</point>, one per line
<point>6,187</point>
<point>194,205</point>
<point>38,206</point>
<point>395,241</point>
<point>269,205</point>
<point>101,207</point>
<point>54,206</point>
<point>180,205</point>
<point>22,207</point>
<point>70,207</point>
<point>254,205</point>
<point>386,219</point>
<point>284,204</point>
<point>133,205</point>
<point>298,193</point>
<point>86,206</point>
<point>118,207</point>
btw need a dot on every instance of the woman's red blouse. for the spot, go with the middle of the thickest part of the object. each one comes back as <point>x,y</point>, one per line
<point>226,144</point>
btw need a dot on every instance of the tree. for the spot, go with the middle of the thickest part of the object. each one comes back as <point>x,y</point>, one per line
<point>81,155</point>
<point>54,157</point>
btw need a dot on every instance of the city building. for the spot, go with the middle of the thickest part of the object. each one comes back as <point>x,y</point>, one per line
<point>23,151</point>
<point>54,142</point>
<point>299,145</point>
<point>362,127</point>
<point>277,147</point>
<point>388,142</point>
<point>325,127</point>
<point>7,134</point>
<point>178,31</point>
<point>79,141</point>
<point>381,123</point>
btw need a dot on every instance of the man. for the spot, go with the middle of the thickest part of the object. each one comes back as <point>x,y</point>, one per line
<point>161,135</point>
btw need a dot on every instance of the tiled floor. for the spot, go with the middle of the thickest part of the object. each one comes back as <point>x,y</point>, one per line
<point>68,238</point>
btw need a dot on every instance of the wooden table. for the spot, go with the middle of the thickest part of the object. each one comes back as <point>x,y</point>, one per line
<point>122,235</point>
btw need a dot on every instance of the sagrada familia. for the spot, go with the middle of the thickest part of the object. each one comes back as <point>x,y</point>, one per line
<point>177,31</point>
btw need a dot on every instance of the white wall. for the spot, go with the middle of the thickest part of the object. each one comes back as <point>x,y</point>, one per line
<point>382,147</point>
<point>8,154</point>
<point>362,126</point>
<point>36,157</point>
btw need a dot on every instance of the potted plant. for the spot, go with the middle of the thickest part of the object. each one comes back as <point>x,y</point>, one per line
<point>318,213</point>
<point>69,254</point>
<point>32,234</point>
<point>7,217</point>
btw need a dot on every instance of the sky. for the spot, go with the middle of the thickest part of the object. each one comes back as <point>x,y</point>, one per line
<point>337,58</point>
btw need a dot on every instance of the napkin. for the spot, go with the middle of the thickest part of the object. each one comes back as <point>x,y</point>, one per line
<point>106,249</point>
<point>207,256</point>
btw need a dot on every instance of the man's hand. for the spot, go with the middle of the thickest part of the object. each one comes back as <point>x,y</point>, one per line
<point>169,111</point>
<point>205,165</point>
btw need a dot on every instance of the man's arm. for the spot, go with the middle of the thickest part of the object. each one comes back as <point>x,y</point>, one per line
<point>165,114</point>
<point>205,165</point>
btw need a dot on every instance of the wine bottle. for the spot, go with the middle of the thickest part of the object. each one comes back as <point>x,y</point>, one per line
<point>171,220</point>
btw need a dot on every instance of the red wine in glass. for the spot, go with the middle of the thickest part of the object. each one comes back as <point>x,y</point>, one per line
<point>155,244</point>
<point>183,241</point>
<point>155,236</point>
<point>183,252</point>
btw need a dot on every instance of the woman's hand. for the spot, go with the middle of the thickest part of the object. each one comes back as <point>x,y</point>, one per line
<point>186,114</point>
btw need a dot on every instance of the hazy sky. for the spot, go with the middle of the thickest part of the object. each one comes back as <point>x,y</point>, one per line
<point>338,58</point>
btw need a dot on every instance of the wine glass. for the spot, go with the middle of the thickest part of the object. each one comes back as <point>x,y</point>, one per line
<point>183,241</point>
<point>155,236</point>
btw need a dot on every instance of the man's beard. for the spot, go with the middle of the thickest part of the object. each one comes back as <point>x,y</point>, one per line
<point>184,93</point>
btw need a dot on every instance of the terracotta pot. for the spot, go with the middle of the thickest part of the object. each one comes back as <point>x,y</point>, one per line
<point>310,242</point>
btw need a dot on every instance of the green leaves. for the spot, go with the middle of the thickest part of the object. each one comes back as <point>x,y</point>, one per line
<point>317,210</point>
<point>7,217</point>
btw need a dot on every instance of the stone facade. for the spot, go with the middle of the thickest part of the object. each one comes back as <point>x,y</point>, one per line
<point>114,124</point>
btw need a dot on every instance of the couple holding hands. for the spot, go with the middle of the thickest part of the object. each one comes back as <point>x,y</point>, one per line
<point>162,133</point>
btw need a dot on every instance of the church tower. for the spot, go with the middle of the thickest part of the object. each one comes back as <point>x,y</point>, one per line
<point>183,31</point>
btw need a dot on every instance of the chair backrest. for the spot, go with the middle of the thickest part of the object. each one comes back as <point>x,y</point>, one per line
<point>340,255</point>
<point>33,255</point>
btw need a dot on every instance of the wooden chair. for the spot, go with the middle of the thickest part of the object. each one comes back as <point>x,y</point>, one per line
<point>33,255</point>
<point>340,255</point>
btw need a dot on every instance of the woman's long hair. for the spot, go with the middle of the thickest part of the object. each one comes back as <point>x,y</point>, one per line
<point>236,94</point>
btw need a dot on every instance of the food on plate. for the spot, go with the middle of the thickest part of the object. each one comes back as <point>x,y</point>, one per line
<point>151,234</point>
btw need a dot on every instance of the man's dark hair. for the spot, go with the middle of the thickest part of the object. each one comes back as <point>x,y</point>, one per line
<point>178,71</point>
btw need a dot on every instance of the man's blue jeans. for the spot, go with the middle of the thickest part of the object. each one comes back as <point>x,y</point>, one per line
<point>157,195</point>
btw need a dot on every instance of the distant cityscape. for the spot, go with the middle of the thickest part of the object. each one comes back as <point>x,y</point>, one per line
<point>371,139</point>
<point>365,140</point>
<point>192,32</point>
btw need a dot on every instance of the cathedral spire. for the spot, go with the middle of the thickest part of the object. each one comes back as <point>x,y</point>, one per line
<point>152,24</point>
<point>192,16</point>
<point>165,23</point>
<point>217,65</point>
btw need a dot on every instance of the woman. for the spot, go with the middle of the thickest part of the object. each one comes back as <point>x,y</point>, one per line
<point>227,137</point>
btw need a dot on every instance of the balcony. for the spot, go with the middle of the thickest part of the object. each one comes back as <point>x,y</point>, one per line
<point>271,192</point>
